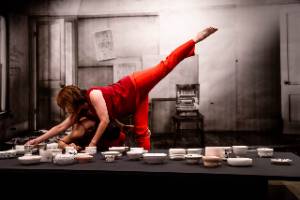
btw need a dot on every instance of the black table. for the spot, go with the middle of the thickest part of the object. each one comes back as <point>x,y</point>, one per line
<point>252,181</point>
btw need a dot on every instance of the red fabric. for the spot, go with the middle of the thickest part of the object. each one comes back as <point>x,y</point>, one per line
<point>130,94</point>
<point>119,98</point>
<point>145,80</point>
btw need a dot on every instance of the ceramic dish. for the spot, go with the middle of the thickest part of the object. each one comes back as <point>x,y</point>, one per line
<point>154,158</point>
<point>281,161</point>
<point>240,162</point>
<point>30,159</point>
<point>63,159</point>
<point>177,151</point>
<point>83,157</point>
<point>211,161</point>
<point>193,158</point>
<point>265,152</point>
<point>8,154</point>
<point>135,154</point>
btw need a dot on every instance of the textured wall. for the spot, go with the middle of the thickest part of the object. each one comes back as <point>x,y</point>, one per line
<point>239,66</point>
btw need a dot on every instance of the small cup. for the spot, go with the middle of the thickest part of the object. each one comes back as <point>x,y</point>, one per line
<point>28,150</point>
<point>109,158</point>
<point>91,150</point>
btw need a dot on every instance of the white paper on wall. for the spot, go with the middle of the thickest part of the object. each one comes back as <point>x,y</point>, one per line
<point>104,45</point>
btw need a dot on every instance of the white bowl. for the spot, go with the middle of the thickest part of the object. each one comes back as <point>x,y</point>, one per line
<point>112,153</point>
<point>240,161</point>
<point>194,151</point>
<point>46,155</point>
<point>8,154</point>
<point>52,146</point>
<point>193,158</point>
<point>154,158</point>
<point>135,154</point>
<point>177,156</point>
<point>211,161</point>
<point>177,151</point>
<point>63,159</point>
<point>83,157</point>
<point>20,149</point>
<point>29,160</point>
<point>265,152</point>
<point>215,151</point>
<point>91,150</point>
<point>136,149</point>
<point>240,150</point>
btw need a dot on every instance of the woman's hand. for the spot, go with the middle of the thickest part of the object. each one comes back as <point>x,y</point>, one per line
<point>78,148</point>
<point>92,144</point>
<point>32,142</point>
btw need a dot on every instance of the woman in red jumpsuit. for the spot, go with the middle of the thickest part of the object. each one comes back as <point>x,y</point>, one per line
<point>98,106</point>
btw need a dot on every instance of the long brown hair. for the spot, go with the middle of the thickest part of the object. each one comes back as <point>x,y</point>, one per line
<point>72,99</point>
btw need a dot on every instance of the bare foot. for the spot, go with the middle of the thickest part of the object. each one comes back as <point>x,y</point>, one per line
<point>204,34</point>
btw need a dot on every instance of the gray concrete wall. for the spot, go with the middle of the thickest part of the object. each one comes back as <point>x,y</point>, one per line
<point>239,66</point>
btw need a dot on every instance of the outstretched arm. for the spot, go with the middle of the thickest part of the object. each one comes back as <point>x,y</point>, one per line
<point>99,104</point>
<point>68,122</point>
<point>204,34</point>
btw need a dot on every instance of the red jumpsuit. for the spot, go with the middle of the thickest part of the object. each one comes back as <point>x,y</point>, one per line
<point>130,94</point>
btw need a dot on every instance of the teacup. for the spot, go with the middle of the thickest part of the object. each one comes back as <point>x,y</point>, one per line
<point>109,158</point>
<point>215,151</point>
<point>46,155</point>
<point>28,149</point>
<point>240,150</point>
<point>91,150</point>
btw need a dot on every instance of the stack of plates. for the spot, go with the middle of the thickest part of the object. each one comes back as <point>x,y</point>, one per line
<point>177,154</point>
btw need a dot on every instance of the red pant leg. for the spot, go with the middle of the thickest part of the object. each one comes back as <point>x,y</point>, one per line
<point>142,136</point>
<point>145,80</point>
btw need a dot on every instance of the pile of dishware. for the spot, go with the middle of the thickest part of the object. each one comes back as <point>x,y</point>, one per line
<point>177,153</point>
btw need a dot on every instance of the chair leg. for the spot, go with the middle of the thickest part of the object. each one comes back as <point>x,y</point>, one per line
<point>177,128</point>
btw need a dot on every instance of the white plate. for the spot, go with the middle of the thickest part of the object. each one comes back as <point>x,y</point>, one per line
<point>29,160</point>
<point>119,149</point>
<point>240,161</point>
<point>281,161</point>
